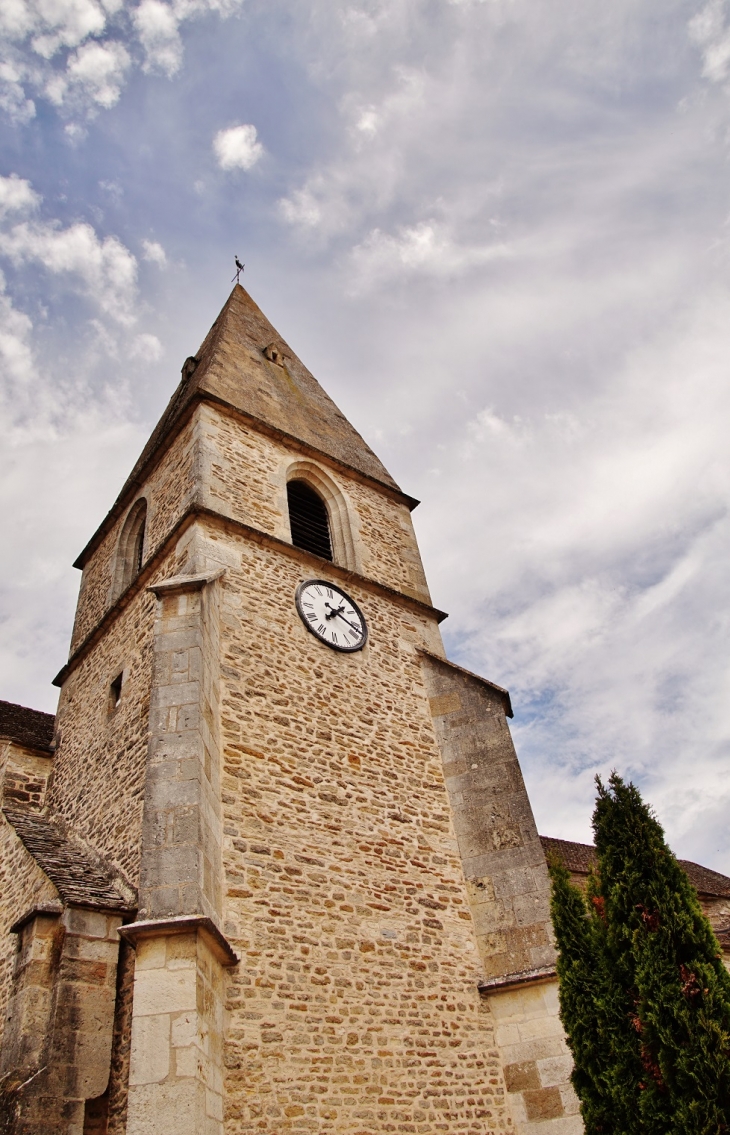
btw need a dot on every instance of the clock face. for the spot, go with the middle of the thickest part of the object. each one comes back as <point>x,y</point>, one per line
<point>331,615</point>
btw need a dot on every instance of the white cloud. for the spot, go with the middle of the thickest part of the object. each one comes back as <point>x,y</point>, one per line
<point>302,208</point>
<point>709,30</point>
<point>368,121</point>
<point>95,74</point>
<point>15,342</point>
<point>426,248</point>
<point>17,196</point>
<point>36,35</point>
<point>106,269</point>
<point>14,102</point>
<point>157,26</point>
<point>154,252</point>
<point>146,347</point>
<point>62,23</point>
<point>237,148</point>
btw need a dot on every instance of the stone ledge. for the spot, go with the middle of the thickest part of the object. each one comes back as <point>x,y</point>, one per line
<point>185,582</point>
<point>50,909</point>
<point>512,980</point>
<point>184,924</point>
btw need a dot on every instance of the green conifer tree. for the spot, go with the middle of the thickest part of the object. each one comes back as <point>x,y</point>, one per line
<point>595,1008</point>
<point>682,988</point>
<point>645,997</point>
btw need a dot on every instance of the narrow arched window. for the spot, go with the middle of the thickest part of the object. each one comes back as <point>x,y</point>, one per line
<point>309,521</point>
<point>138,551</point>
<point>130,552</point>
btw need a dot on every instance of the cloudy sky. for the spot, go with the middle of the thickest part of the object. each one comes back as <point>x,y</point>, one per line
<point>498,233</point>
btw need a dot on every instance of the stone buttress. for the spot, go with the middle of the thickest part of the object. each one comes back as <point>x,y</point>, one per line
<point>289,889</point>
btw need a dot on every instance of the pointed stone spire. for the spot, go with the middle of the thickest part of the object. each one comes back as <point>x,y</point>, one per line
<point>245,363</point>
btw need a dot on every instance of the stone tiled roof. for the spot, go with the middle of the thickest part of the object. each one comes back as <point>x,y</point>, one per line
<point>577,857</point>
<point>79,874</point>
<point>580,857</point>
<point>30,727</point>
<point>234,366</point>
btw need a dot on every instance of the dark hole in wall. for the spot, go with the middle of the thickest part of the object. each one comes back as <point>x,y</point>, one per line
<point>115,692</point>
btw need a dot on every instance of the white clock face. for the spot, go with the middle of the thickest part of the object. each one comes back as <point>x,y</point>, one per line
<point>331,615</point>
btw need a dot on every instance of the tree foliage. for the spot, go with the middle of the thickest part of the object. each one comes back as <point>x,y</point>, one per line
<point>644,994</point>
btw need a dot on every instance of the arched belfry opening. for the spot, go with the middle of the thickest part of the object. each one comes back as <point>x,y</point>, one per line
<point>309,519</point>
<point>319,514</point>
<point>130,551</point>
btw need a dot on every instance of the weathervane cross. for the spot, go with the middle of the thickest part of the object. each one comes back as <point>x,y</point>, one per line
<point>239,269</point>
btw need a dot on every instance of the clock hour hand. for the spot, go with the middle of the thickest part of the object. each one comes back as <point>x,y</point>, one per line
<point>333,610</point>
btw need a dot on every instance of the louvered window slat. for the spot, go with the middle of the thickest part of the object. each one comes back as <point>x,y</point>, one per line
<point>309,521</point>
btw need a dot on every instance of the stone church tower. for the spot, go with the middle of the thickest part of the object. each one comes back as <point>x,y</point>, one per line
<point>276,870</point>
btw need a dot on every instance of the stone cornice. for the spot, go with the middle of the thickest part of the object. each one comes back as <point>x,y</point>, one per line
<point>182,924</point>
<point>197,511</point>
<point>185,583</point>
<point>513,980</point>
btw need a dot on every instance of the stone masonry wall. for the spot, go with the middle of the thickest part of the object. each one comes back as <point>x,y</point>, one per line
<point>100,763</point>
<point>537,1061</point>
<point>24,775</point>
<point>68,971</point>
<point>118,1090</point>
<point>501,851</point>
<point>23,779</point>
<point>229,467</point>
<point>509,895</point>
<point>243,475</point>
<point>181,828</point>
<point>355,1008</point>
<point>22,886</point>
<point>175,1081</point>
<point>169,490</point>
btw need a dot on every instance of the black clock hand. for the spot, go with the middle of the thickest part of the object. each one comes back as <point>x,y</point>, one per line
<point>338,611</point>
<point>357,629</point>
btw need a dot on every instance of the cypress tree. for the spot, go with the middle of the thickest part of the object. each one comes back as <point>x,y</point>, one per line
<point>645,997</point>
<point>682,988</point>
<point>595,1008</point>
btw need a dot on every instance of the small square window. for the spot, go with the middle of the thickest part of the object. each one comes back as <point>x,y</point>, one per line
<point>115,692</point>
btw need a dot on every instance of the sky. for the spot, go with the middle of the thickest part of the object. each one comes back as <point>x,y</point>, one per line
<point>498,232</point>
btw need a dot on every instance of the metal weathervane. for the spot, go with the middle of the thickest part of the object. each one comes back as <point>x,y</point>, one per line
<point>239,269</point>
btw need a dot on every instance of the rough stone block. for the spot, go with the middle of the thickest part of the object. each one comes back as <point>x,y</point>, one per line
<point>522,1076</point>
<point>150,1057</point>
<point>543,1103</point>
<point>164,991</point>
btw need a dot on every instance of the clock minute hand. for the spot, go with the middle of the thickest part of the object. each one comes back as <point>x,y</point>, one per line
<point>338,611</point>
<point>355,628</point>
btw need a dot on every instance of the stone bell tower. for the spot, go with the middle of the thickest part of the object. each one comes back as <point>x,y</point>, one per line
<point>272,885</point>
